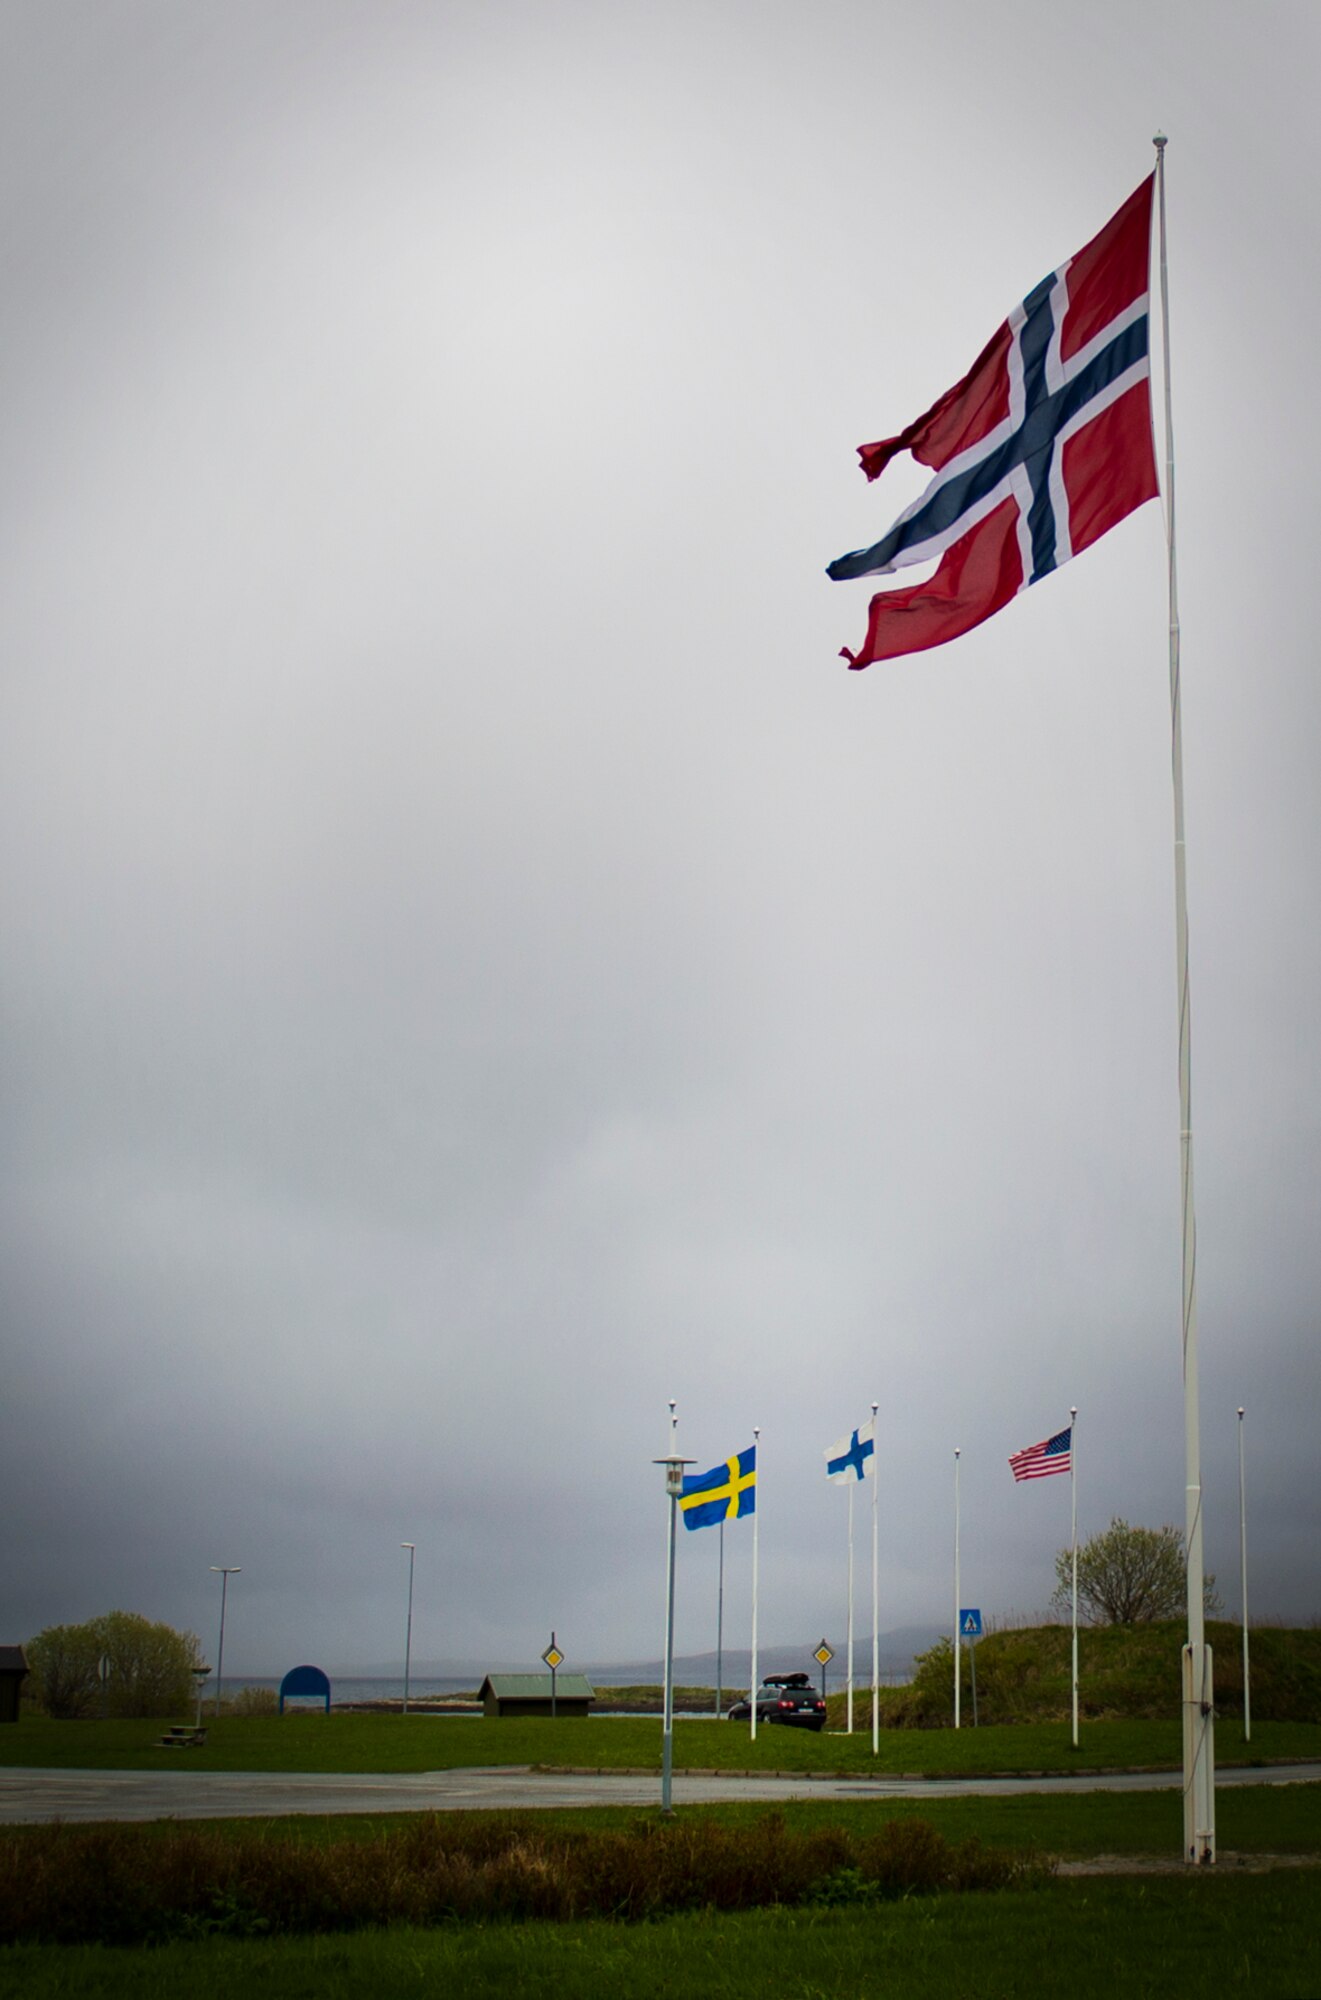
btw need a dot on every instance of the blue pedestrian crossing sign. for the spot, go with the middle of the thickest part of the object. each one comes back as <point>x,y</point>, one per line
<point>970,1624</point>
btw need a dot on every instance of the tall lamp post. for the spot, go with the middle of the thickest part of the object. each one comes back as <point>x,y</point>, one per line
<point>218,1569</point>
<point>408,1630</point>
<point>674,1466</point>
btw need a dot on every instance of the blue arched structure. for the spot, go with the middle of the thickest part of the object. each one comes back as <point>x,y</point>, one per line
<point>306,1681</point>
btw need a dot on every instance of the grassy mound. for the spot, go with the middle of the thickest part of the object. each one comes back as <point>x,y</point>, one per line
<point>1124,1671</point>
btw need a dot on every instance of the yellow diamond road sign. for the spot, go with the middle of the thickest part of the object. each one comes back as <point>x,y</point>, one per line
<point>553,1657</point>
<point>823,1654</point>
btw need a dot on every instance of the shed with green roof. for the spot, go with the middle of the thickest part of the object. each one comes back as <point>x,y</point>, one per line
<point>529,1694</point>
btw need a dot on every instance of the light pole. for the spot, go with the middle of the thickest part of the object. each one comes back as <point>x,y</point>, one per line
<point>218,1569</point>
<point>200,1673</point>
<point>674,1466</point>
<point>408,1631</point>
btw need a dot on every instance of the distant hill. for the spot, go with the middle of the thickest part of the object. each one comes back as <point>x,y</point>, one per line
<point>897,1648</point>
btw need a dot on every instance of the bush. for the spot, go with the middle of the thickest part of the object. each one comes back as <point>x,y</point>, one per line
<point>252,1701</point>
<point>130,1884</point>
<point>1128,1576</point>
<point>150,1667</point>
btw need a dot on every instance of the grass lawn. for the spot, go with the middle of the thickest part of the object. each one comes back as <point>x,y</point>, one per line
<point>384,1743</point>
<point>1250,1819</point>
<point>1166,1937</point>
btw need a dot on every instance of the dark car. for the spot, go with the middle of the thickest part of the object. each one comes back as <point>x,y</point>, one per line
<point>789,1698</point>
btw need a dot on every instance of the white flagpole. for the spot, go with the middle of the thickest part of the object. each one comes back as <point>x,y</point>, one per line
<point>1198,1731</point>
<point>1073,1483</point>
<point>1243,1580</point>
<point>850,1487</point>
<point>957,1641</point>
<point>875,1593</point>
<point>756,1525</point>
<point>720,1620</point>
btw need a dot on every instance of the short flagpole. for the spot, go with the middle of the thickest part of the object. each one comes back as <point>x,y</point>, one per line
<point>957,1641</point>
<point>875,1592</point>
<point>850,1727</point>
<point>756,1525</point>
<point>1073,1483</point>
<point>1198,1726</point>
<point>1243,1582</point>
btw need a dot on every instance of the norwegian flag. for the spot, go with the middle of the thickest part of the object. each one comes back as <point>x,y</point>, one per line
<point>1044,445</point>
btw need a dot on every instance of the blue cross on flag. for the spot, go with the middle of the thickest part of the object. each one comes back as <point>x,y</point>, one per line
<point>847,1457</point>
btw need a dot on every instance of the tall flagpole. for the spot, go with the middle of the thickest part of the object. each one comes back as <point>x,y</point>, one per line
<point>720,1618</point>
<point>674,1466</point>
<point>957,1640</point>
<point>850,1727</point>
<point>1243,1581</point>
<point>756,1524</point>
<point>1198,1723</point>
<point>875,1594</point>
<point>1073,1483</point>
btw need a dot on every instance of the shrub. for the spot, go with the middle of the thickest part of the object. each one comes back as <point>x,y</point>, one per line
<point>129,1884</point>
<point>150,1667</point>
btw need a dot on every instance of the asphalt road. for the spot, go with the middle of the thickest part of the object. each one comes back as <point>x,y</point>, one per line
<point>30,1796</point>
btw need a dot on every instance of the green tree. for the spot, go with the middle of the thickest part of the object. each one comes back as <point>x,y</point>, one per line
<point>1128,1576</point>
<point>150,1667</point>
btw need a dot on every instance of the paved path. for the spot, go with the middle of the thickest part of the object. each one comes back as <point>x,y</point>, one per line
<point>35,1795</point>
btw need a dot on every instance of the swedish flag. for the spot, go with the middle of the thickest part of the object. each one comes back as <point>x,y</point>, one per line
<point>726,1493</point>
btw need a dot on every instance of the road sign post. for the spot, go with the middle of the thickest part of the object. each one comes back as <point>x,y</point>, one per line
<point>554,1658</point>
<point>970,1628</point>
<point>823,1656</point>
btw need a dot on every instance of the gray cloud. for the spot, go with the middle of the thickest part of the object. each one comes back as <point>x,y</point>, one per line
<point>477,966</point>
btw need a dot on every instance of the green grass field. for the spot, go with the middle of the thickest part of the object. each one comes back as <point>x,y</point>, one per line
<point>1154,1935</point>
<point>1168,1938</point>
<point>384,1743</point>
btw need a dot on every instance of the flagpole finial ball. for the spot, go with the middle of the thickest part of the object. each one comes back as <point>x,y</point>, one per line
<point>1159,141</point>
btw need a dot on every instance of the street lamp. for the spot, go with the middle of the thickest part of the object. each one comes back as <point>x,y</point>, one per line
<point>674,1466</point>
<point>408,1633</point>
<point>218,1569</point>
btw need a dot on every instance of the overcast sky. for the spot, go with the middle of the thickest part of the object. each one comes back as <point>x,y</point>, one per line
<point>476,965</point>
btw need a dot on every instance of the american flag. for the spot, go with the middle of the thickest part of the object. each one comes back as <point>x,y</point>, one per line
<point>1038,1461</point>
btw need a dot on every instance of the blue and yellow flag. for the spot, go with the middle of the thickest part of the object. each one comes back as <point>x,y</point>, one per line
<point>726,1493</point>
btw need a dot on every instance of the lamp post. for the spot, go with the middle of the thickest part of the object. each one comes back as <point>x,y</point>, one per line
<point>674,1466</point>
<point>218,1569</point>
<point>408,1630</point>
<point>200,1673</point>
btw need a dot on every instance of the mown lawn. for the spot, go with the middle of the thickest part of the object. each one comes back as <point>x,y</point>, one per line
<point>1168,1937</point>
<point>385,1743</point>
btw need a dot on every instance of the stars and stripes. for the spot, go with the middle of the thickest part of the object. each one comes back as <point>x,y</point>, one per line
<point>1038,1461</point>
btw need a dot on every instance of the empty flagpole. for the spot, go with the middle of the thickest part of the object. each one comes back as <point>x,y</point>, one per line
<point>1198,1736</point>
<point>957,1641</point>
<point>756,1525</point>
<point>875,1595</point>
<point>850,1727</point>
<point>1243,1581</point>
<point>1073,1485</point>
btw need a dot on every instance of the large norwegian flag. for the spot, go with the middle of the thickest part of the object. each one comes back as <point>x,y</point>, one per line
<point>1044,445</point>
